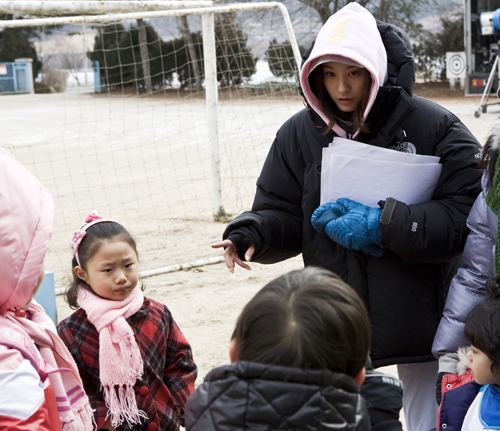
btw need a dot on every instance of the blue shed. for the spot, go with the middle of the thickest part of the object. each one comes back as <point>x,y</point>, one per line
<point>16,77</point>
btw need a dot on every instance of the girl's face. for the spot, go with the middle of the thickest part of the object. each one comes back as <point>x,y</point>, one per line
<point>480,366</point>
<point>112,272</point>
<point>347,85</point>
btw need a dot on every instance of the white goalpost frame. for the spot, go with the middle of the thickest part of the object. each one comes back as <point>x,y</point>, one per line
<point>72,7</point>
<point>210,61</point>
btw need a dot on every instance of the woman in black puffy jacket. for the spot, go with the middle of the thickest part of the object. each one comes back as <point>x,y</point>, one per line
<point>413,250</point>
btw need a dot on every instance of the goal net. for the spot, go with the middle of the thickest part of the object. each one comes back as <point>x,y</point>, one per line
<point>119,125</point>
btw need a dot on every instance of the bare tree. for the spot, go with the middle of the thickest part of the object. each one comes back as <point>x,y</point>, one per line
<point>381,10</point>
<point>399,12</point>
<point>186,34</point>
<point>64,53</point>
<point>326,8</point>
<point>143,47</point>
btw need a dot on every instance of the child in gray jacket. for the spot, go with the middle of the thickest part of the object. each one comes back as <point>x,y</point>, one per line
<point>480,262</point>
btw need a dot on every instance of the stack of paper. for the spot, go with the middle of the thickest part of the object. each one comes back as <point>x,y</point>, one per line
<point>368,174</point>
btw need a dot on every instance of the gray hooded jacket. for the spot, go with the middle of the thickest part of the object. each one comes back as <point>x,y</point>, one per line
<point>467,288</point>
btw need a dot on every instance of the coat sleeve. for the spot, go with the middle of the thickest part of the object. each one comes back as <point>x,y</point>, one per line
<point>274,225</point>
<point>436,231</point>
<point>467,288</point>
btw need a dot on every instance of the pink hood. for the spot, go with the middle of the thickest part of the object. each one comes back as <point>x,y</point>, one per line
<point>26,217</point>
<point>351,33</point>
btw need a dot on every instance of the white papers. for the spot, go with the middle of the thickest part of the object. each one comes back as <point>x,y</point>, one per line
<point>368,174</point>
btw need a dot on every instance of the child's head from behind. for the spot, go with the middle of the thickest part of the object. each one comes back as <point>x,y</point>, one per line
<point>105,261</point>
<point>308,319</point>
<point>26,218</point>
<point>482,330</point>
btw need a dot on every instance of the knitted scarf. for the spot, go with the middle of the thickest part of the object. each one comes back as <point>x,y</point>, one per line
<point>493,201</point>
<point>120,361</point>
<point>72,402</point>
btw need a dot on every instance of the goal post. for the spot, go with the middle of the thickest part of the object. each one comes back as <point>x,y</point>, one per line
<point>92,7</point>
<point>156,160</point>
<point>208,48</point>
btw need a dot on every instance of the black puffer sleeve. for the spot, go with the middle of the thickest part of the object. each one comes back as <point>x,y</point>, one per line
<point>436,231</point>
<point>274,225</point>
<point>276,235</point>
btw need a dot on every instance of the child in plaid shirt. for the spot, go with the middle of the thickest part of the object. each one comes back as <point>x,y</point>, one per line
<point>136,366</point>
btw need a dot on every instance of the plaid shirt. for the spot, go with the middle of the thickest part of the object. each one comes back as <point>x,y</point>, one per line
<point>169,369</point>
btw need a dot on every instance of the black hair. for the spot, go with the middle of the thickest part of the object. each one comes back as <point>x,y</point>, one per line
<point>308,319</point>
<point>95,236</point>
<point>329,107</point>
<point>482,326</point>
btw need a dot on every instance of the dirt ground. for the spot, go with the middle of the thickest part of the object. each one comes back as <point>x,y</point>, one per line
<point>205,301</point>
<point>437,90</point>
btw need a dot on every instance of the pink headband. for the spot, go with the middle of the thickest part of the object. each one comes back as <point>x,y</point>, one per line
<point>91,219</point>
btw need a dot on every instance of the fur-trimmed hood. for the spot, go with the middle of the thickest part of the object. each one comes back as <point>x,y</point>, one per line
<point>463,363</point>
<point>494,136</point>
<point>492,183</point>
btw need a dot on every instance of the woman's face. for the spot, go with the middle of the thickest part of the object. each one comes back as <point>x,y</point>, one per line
<point>347,85</point>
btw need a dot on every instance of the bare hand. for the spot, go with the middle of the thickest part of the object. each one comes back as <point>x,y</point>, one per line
<point>231,254</point>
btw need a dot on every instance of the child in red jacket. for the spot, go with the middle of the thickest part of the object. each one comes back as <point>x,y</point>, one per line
<point>136,365</point>
<point>471,401</point>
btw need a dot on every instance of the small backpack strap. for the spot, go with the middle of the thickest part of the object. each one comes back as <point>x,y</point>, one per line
<point>15,338</point>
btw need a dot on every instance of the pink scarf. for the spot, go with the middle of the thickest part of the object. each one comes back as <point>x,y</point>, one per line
<point>72,402</point>
<point>120,360</point>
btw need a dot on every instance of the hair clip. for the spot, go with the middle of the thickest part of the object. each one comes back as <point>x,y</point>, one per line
<point>93,216</point>
<point>91,219</point>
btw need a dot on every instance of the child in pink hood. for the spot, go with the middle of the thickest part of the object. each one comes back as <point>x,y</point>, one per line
<point>357,80</point>
<point>30,348</point>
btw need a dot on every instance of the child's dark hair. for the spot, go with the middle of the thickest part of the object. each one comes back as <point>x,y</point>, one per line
<point>330,109</point>
<point>95,236</point>
<point>307,319</point>
<point>482,327</point>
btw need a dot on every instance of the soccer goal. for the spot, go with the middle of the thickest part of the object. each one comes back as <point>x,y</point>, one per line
<point>156,114</point>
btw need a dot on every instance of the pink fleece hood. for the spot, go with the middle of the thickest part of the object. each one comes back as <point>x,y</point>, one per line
<point>350,34</point>
<point>26,217</point>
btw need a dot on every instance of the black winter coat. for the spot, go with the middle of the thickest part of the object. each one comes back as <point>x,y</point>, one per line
<point>404,290</point>
<point>252,396</point>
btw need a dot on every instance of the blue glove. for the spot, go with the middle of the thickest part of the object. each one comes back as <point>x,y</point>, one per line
<point>325,214</point>
<point>352,225</point>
